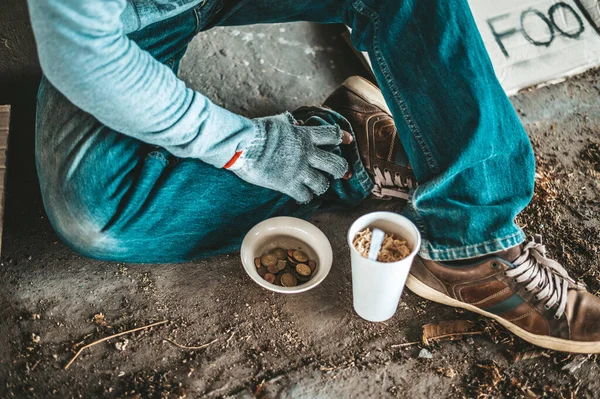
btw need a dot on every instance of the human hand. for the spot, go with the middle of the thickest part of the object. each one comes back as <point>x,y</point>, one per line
<point>286,156</point>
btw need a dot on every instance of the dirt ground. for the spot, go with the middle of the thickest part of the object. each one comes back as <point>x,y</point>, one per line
<point>311,345</point>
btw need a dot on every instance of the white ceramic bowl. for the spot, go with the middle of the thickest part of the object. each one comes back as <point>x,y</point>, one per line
<point>287,232</point>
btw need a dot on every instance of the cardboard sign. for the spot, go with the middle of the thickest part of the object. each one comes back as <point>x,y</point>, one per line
<point>592,9</point>
<point>538,42</point>
<point>533,42</point>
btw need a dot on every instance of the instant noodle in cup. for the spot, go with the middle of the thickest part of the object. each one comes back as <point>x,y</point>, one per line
<point>378,284</point>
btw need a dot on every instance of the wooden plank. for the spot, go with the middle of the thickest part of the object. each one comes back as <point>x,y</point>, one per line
<point>4,125</point>
<point>4,116</point>
<point>3,138</point>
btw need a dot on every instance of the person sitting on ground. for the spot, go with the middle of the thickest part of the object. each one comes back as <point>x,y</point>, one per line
<point>136,167</point>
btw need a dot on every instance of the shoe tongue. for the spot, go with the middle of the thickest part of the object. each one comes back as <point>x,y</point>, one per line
<point>510,254</point>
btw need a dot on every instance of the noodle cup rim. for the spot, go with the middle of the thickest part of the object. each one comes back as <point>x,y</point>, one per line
<point>383,215</point>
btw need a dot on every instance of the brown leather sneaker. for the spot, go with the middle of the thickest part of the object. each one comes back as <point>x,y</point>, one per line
<point>382,154</point>
<point>529,294</point>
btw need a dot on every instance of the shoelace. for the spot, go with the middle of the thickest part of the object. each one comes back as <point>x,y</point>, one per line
<point>387,186</point>
<point>545,276</point>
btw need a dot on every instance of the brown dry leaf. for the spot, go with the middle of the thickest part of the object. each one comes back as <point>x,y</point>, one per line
<point>529,394</point>
<point>547,190</point>
<point>448,373</point>
<point>98,319</point>
<point>452,329</point>
<point>493,372</point>
<point>527,355</point>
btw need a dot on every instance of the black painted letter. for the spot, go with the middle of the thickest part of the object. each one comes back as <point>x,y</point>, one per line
<point>570,9</point>
<point>500,35</point>
<point>531,40</point>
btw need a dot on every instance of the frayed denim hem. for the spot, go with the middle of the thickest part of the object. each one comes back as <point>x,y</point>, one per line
<point>471,251</point>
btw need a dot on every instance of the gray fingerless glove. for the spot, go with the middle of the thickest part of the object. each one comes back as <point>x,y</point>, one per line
<point>286,157</point>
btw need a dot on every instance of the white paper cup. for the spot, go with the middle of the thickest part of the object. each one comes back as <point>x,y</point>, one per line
<point>377,286</point>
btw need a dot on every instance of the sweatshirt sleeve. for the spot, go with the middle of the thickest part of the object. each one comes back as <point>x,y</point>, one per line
<point>86,55</point>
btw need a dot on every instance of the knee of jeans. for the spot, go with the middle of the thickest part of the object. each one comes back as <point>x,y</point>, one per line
<point>81,231</point>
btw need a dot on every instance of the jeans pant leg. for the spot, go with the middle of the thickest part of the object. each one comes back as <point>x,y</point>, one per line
<point>467,147</point>
<point>469,151</point>
<point>113,197</point>
<point>463,139</point>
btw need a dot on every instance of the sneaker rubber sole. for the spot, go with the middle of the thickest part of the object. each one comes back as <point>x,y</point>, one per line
<point>544,341</point>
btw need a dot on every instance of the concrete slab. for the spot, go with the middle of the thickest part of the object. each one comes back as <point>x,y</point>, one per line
<point>264,69</point>
<point>306,346</point>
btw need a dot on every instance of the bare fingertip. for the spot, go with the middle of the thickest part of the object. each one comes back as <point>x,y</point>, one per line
<point>346,137</point>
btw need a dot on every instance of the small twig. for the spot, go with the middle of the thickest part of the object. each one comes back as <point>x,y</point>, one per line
<point>230,338</point>
<point>191,347</point>
<point>406,344</point>
<point>341,367</point>
<point>82,341</point>
<point>111,337</point>
<point>455,335</point>
<point>259,389</point>
<point>527,355</point>
<point>35,365</point>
